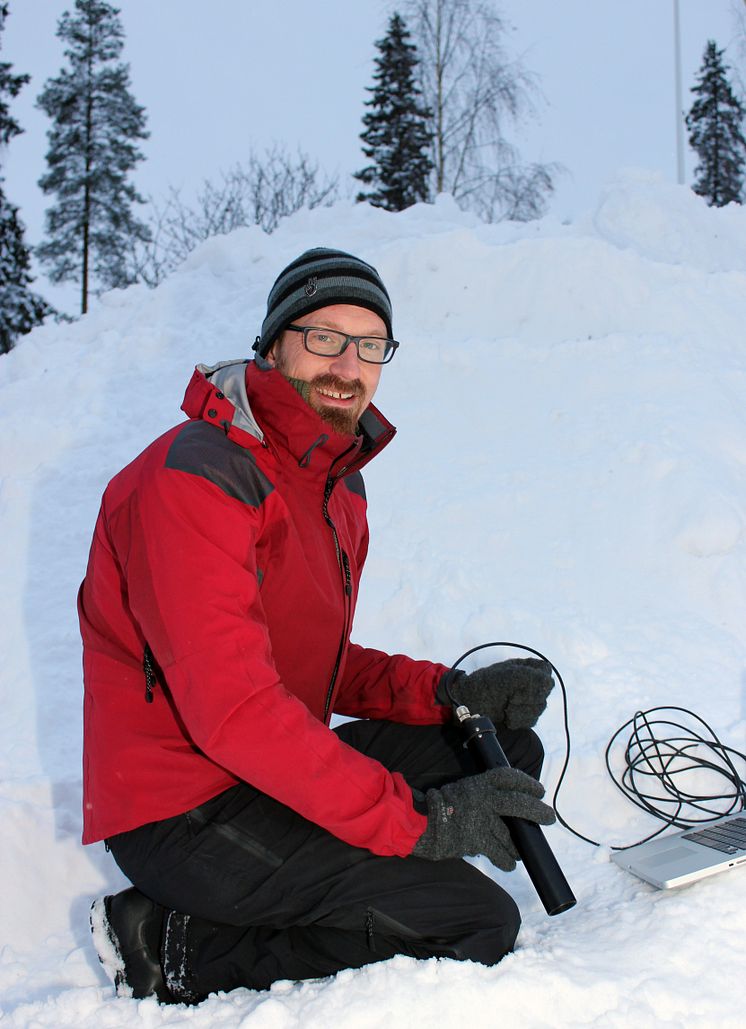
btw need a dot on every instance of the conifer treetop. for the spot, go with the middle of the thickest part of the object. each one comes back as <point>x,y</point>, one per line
<point>10,87</point>
<point>397,136</point>
<point>96,126</point>
<point>715,124</point>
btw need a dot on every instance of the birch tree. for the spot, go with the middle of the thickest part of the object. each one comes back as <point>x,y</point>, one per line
<point>476,93</point>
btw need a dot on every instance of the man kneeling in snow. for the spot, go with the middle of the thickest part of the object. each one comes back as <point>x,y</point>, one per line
<point>216,614</point>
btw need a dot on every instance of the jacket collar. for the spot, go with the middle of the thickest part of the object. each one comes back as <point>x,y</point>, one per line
<point>251,400</point>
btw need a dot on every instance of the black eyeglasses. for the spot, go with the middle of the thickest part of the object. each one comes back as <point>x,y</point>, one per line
<point>331,343</point>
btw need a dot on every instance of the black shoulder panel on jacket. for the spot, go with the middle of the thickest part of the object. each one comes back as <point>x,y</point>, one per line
<point>354,483</point>
<point>202,449</point>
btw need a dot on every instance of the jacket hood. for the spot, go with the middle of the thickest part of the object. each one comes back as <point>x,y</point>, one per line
<point>224,386</point>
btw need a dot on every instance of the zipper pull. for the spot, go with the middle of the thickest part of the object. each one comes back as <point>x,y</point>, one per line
<point>348,574</point>
<point>306,458</point>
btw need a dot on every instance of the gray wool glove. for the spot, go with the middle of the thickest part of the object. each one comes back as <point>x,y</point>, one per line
<point>464,817</point>
<point>511,693</point>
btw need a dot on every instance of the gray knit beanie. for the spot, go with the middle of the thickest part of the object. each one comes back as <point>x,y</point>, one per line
<point>319,278</point>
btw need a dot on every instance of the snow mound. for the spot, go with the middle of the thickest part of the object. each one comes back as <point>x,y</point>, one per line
<point>569,473</point>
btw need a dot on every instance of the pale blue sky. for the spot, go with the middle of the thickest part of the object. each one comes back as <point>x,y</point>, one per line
<point>250,72</point>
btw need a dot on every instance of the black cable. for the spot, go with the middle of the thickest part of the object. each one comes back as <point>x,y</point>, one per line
<point>663,760</point>
<point>652,754</point>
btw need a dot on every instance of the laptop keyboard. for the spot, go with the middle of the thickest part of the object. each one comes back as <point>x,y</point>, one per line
<point>729,837</point>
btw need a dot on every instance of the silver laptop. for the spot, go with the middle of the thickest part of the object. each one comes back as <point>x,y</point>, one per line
<point>684,857</point>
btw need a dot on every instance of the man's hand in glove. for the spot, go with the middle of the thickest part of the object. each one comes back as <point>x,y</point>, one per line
<point>511,693</point>
<point>465,817</point>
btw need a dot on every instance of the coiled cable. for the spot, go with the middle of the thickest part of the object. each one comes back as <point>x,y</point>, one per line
<point>653,756</point>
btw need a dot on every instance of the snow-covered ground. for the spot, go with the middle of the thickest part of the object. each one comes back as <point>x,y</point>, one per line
<point>570,473</point>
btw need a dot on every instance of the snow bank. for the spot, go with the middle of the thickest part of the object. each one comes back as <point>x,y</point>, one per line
<point>569,473</point>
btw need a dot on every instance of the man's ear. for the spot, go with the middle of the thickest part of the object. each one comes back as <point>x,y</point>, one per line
<point>273,354</point>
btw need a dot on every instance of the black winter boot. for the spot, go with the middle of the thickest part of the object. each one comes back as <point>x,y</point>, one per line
<point>127,930</point>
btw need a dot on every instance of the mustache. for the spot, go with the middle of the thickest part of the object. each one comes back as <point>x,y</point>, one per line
<point>339,385</point>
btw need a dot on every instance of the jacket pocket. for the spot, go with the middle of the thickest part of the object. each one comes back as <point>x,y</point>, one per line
<point>377,921</point>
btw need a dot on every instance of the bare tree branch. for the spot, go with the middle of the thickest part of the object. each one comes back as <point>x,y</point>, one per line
<point>738,13</point>
<point>260,192</point>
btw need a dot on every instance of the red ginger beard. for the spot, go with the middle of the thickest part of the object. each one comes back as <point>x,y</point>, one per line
<point>343,420</point>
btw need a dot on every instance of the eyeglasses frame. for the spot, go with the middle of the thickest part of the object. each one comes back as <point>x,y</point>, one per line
<point>305,329</point>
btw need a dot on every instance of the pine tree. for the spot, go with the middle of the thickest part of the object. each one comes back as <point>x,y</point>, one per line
<point>20,309</point>
<point>715,132</point>
<point>10,86</point>
<point>92,148</point>
<point>396,135</point>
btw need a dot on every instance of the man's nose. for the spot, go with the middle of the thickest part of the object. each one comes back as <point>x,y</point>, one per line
<point>346,364</point>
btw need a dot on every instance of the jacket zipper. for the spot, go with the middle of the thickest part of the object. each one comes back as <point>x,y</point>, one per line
<point>344,567</point>
<point>148,667</point>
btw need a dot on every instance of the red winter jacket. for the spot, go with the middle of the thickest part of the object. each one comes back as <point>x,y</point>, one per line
<point>216,612</point>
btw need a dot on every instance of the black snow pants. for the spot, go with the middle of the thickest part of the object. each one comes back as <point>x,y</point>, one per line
<point>256,893</point>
